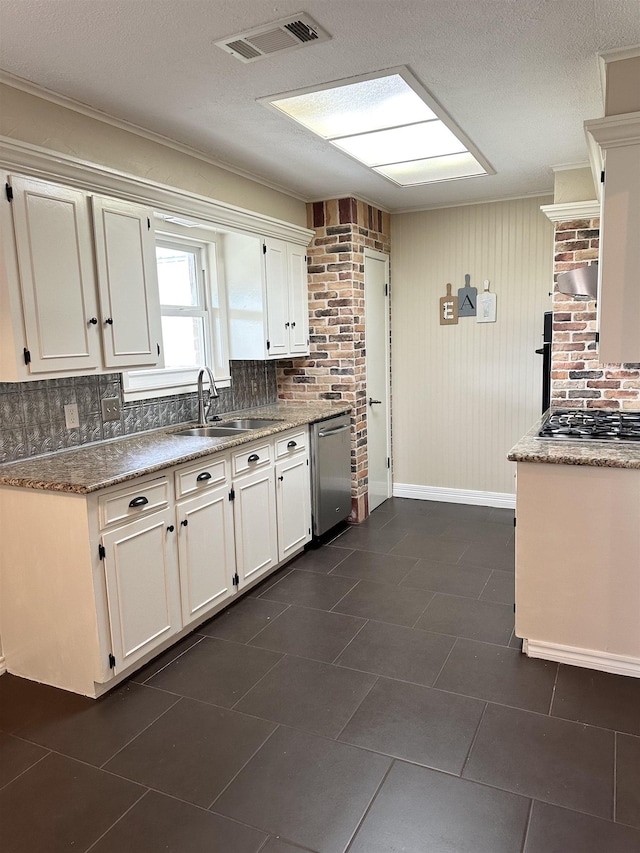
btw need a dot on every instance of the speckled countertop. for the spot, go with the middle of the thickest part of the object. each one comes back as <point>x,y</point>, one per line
<point>600,454</point>
<point>96,466</point>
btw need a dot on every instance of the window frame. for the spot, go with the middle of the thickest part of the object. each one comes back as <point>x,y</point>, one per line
<point>163,382</point>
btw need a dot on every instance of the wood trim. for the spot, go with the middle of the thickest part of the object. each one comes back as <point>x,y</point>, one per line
<point>613,131</point>
<point>3,665</point>
<point>455,496</point>
<point>571,210</point>
<point>53,166</point>
<point>588,658</point>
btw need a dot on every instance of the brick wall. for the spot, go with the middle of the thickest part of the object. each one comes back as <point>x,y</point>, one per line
<point>578,379</point>
<point>336,368</point>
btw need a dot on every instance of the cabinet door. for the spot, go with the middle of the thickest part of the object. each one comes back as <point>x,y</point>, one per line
<point>298,301</point>
<point>619,292</point>
<point>277,298</point>
<point>127,283</point>
<point>54,250</point>
<point>143,594</point>
<point>206,550</point>
<point>255,524</point>
<point>293,503</point>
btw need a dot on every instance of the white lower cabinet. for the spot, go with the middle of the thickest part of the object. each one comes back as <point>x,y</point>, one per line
<point>255,524</point>
<point>94,585</point>
<point>206,552</point>
<point>141,573</point>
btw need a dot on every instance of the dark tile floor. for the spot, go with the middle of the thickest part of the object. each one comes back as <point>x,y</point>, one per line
<point>369,698</point>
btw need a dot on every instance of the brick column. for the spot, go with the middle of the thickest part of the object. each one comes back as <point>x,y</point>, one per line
<point>336,368</point>
<point>578,379</point>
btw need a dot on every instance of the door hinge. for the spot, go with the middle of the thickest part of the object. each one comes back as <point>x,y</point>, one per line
<point>388,462</point>
<point>602,177</point>
<point>148,224</point>
<point>597,337</point>
<point>264,248</point>
<point>386,289</point>
<point>158,345</point>
<point>27,356</point>
<point>112,662</point>
<point>268,344</point>
<point>9,191</point>
<point>514,521</point>
<point>236,580</point>
<point>101,552</point>
<point>232,494</point>
<point>307,463</point>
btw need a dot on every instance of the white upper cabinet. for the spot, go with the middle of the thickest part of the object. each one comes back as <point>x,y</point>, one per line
<point>56,278</point>
<point>127,282</point>
<point>268,301</point>
<point>619,265</point>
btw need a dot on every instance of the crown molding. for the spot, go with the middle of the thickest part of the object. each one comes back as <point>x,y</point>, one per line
<point>571,210</point>
<point>106,118</point>
<point>472,203</point>
<point>38,162</point>
<point>615,131</point>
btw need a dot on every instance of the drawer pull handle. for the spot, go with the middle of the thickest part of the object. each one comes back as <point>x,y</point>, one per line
<point>204,476</point>
<point>253,458</point>
<point>292,444</point>
<point>141,501</point>
<point>185,522</point>
<point>170,528</point>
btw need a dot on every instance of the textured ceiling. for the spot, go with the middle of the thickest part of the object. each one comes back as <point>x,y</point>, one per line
<point>518,76</point>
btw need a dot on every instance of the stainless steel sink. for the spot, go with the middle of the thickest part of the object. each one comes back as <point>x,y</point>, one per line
<point>249,423</point>
<point>213,431</point>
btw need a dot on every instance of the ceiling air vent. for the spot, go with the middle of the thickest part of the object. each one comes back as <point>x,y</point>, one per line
<point>280,36</point>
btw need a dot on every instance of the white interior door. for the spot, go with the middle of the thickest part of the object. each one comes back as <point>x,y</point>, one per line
<point>376,293</point>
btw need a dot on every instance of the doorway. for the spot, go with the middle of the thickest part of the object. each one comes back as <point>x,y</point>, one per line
<point>378,363</point>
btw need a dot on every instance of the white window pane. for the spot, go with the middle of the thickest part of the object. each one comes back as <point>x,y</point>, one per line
<point>184,341</point>
<point>429,139</point>
<point>177,279</point>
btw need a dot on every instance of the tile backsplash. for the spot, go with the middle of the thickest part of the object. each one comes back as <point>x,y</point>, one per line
<point>32,413</point>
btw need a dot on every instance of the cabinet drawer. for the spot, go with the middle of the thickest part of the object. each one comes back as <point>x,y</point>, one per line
<point>203,475</point>
<point>292,443</point>
<point>252,458</point>
<point>133,501</point>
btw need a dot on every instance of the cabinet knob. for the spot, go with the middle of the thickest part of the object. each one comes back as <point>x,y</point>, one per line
<point>292,443</point>
<point>93,321</point>
<point>185,522</point>
<point>141,501</point>
<point>109,321</point>
<point>170,528</point>
<point>204,476</point>
<point>286,325</point>
<point>293,325</point>
<point>253,458</point>
<point>281,478</point>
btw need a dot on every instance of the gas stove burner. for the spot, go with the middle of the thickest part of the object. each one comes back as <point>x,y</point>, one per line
<point>591,425</point>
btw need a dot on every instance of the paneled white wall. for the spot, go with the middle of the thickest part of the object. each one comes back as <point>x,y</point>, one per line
<point>464,394</point>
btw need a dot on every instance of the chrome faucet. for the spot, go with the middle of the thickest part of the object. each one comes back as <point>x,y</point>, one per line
<point>213,392</point>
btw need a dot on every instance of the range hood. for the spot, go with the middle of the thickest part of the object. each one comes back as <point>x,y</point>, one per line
<point>580,282</point>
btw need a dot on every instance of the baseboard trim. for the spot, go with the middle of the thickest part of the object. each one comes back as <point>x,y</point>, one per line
<point>588,658</point>
<point>454,496</point>
<point>3,665</point>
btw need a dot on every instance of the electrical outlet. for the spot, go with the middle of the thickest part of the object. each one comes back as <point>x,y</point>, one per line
<point>71,419</point>
<point>110,408</point>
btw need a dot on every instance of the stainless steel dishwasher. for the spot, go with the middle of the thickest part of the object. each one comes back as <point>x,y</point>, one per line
<point>330,473</point>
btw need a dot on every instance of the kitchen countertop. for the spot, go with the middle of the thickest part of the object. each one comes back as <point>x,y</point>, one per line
<point>600,454</point>
<point>106,463</point>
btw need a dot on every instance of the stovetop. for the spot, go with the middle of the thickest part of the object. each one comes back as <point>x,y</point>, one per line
<point>591,424</point>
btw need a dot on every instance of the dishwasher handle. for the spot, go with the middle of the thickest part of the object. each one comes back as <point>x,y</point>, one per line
<point>328,432</point>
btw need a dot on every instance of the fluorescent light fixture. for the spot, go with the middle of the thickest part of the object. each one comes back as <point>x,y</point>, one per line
<point>390,123</point>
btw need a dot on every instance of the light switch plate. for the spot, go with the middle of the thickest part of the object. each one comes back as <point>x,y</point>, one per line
<point>110,408</point>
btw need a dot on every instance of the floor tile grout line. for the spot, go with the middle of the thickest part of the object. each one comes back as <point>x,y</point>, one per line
<point>369,806</point>
<point>356,581</point>
<point>553,691</point>
<point>357,708</point>
<point>31,766</point>
<point>446,661</point>
<point>264,627</point>
<point>527,826</point>
<point>425,608</point>
<point>473,741</point>
<point>260,680</point>
<point>116,822</point>
<point>485,585</point>
<point>162,668</point>
<point>360,629</point>
<point>276,727</point>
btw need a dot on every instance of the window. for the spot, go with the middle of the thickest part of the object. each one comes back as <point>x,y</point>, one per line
<point>193,326</point>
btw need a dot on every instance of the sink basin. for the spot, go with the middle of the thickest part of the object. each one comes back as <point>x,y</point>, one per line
<point>213,431</point>
<point>249,423</point>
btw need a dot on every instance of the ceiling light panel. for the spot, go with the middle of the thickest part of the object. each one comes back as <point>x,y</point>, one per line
<point>417,141</point>
<point>432,170</point>
<point>357,107</point>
